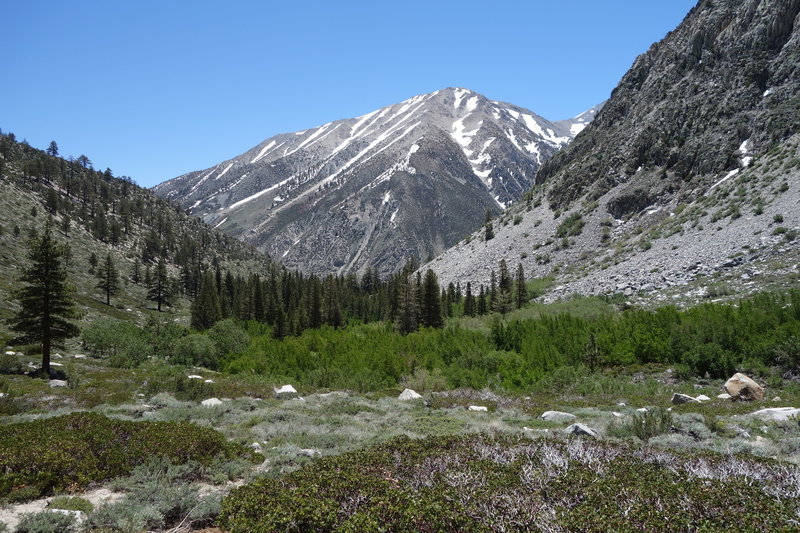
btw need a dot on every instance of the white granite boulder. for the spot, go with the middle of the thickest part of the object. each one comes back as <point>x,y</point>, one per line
<point>211,402</point>
<point>581,430</point>
<point>479,408</point>
<point>679,398</point>
<point>409,394</point>
<point>556,416</point>
<point>741,387</point>
<point>778,414</point>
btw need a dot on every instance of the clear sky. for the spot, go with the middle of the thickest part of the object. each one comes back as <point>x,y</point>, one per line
<point>154,89</point>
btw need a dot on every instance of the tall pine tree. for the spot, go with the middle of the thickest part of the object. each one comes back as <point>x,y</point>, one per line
<point>46,306</point>
<point>206,310</point>
<point>522,290</point>
<point>159,290</point>
<point>108,278</point>
<point>431,301</point>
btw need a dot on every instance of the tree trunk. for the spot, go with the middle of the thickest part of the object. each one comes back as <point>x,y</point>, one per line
<point>46,356</point>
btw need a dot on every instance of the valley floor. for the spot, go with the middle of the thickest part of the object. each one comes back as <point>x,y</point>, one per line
<point>302,430</point>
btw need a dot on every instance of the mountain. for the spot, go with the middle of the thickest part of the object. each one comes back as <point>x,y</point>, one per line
<point>405,180</point>
<point>687,177</point>
<point>100,215</point>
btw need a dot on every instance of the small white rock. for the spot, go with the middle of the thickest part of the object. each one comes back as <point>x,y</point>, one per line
<point>702,398</point>
<point>724,396</point>
<point>194,376</point>
<point>209,381</point>
<point>481,408</point>
<point>57,383</point>
<point>79,356</point>
<point>211,402</point>
<point>10,353</point>
<point>777,413</point>
<point>286,389</point>
<point>777,399</point>
<point>55,364</point>
<point>556,416</point>
<point>581,429</point>
<point>409,394</point>
<point>642,410</point>
<point>616,414</point>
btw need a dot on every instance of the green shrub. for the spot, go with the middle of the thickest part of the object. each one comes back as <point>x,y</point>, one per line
<point>644,425</point>
<point>123,343</point>
<point>570,226</point>
<point>196,350</point>
<point>71,503</point>
<point>228,337</point>
<point>47,522</point>
<point>71,451</point>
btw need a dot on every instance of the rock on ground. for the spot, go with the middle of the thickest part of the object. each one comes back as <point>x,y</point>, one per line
<point>581,430</point>
<point>741,387</point>
<point>409,394</point>
<point>779,414</point>
<point>556,416</point>
<point>679,398</point>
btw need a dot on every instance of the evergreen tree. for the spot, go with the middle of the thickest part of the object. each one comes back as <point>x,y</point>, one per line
<point>46,306</point>
<point>492,289</point>
<point>160,289</point>
<point>65,223</point>
<point>469,302</point>
<point>431,301</point>
<point>108,278</point>
<point>488,225</point>
<point>92,263</point>
<point>407,305</point>
<point>136,275</point>
<point>52,150</point>
<point>502,299</point>
<point>206,310</point>
<point>315,311</point>
<point>522,290</point>
<point>332,310</point>
<point>482,307</point>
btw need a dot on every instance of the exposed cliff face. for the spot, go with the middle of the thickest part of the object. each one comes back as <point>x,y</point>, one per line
<point>407,179</point>
<point>690,171</point>
<point>723,85</point>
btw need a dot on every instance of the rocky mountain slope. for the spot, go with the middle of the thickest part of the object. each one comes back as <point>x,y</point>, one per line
<point>409,179</point>
<point>689,174</point>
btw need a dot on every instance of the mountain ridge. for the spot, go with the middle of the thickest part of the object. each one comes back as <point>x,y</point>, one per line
<point>340,196</point>
<point>687,175</point>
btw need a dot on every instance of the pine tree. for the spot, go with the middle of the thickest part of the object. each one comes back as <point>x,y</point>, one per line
<point>136,271</point>
<point>52,150</point>
<point>469,302</point>
<point>482,307</point>
<point>206,310</point>
<point>46,306</point>
<point>522,290</point>
<point>331,305</point>
<point>502,299</point>
<point>108,278</point>
<point>92,263</point>
<point>431,301</point>
<point>407,305</point>
<point>160,289</point>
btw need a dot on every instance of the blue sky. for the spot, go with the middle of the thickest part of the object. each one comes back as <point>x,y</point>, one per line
<point>153,89</point>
